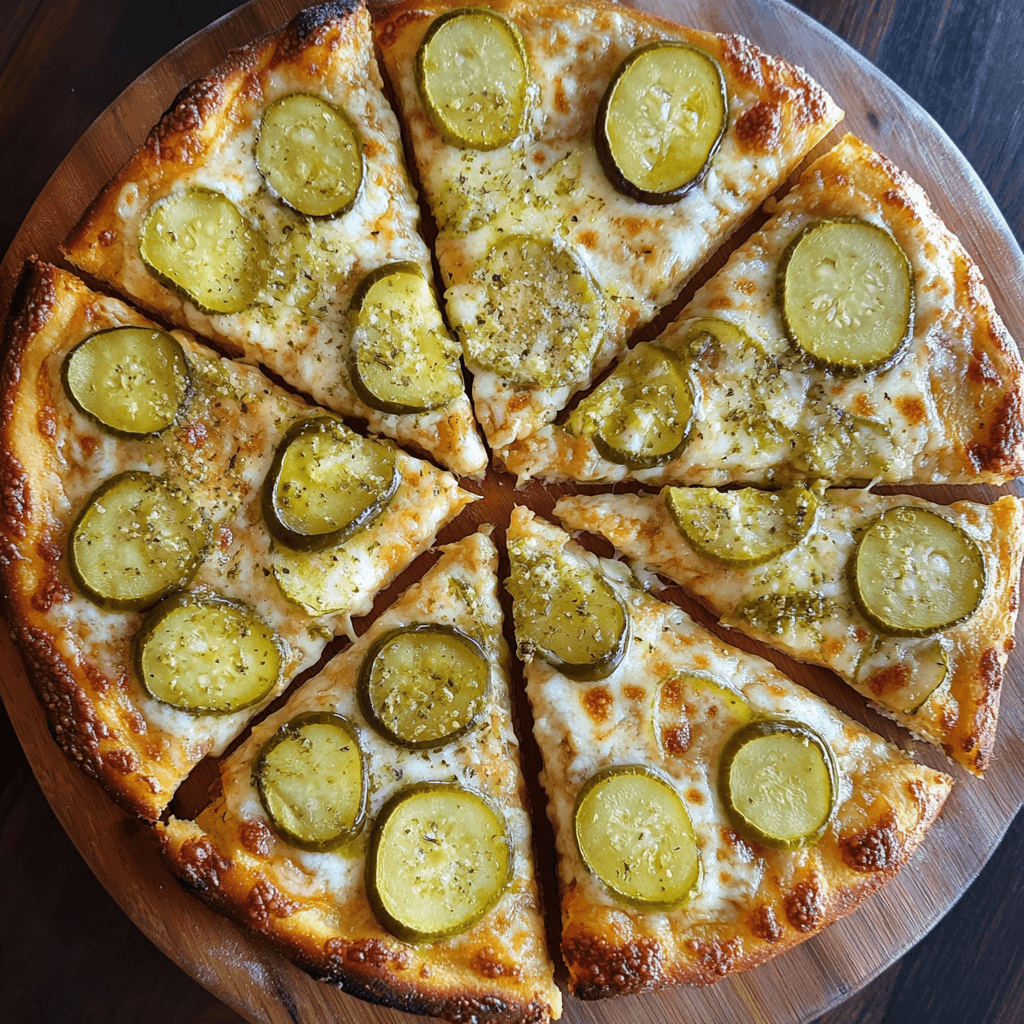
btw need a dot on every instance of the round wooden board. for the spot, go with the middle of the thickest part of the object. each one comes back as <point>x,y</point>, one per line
<point>795,988</point>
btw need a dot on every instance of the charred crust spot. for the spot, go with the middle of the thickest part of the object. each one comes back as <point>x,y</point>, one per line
<point>878,848</point>
<point>805,905</point>
<point>1002,449</point>
<point>716,957</point>
<point>597,968</point>
<point>377,953</point>
<point>487,962</point>
<point>124,762</point>
<point>889,679</point>
<point>265,901</point>
<point>175,137</point>
<point>203,866</point>
<point>597,702</point>
<point>759,129</point>
<point>311,27</point>
<point>990,671</point>
<point>912,409</point>
<point>255,837</point>
<point>14,495</point>
<point>764,924</point>
<point>676,739</point>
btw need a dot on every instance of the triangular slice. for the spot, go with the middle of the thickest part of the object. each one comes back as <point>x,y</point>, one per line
<point>270,210</point>
<point>913,604</point>
<point>565,220</point>
<point>155,611</point>
<point>436,915</point>
<point>850,339</point>
<point>708,812</point>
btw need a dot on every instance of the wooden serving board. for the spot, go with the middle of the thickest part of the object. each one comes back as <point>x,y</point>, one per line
<point>795,988</point>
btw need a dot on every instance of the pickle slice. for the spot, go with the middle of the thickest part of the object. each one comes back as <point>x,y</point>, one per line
<point>131,381</point>
<point>567,614</point>
<point>312,781</point>
<point>325,483</point>
<point>902,679</point>
<point>641,415</point>
<point>692,708</point>
<point>403,358</point>
<point>311,155</point>
<point>423,686</point>
<point>916,573</point>
<point>633,832</point>
<point>777,779</point>
<point>847,293</point>
<point>439,860</point>
<point>206,655</point>
<point>539,319</point>
<point>473,76</point>
<point>661,120</point>
<point>136,540</point>
<point>742,528</point>
<point>198,243</point>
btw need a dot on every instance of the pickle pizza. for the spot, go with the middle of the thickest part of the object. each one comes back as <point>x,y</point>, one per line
<point>910,602</point>
<point>700,799</point>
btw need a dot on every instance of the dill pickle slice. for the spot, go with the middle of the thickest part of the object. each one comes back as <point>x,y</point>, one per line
<point>633,832</point>
<point>742,528</point>
<point>902,679</point>
<point>474,78</point>
<point>312,781</point>
<point>198,243</point>
<point>423,686</point>
<point>916,572</point>
<point>403,358</point>
<point>689,706</point>
<point>847,294</point>
<point>136,539</point>
<point>439,860</point>
<point>778,780</point>
<point>567,614</point>
<point>325,483</point>
<point>539,317</point>
<point>311,154</point>
<point>206,655</point>
<point>130,381</point>
<point>641,415</point>
<point>661,121</point>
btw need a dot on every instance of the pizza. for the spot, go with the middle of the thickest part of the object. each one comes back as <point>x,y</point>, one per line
<point>708,812</point>
<point>570,206</point>
<point>284,169</point>
<point>911,603</point>
<point>181,536</point>
<point>850,339</point>
<point>399,754</point>
<point>134,537</point>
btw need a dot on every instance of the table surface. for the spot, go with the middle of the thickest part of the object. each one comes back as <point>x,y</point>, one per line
<point>61,63</point>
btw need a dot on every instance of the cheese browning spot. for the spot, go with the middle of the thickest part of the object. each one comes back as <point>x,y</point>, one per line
<point>632,831</point>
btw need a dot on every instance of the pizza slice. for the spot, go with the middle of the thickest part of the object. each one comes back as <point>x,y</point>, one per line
<point>581,161</point>
<point>270,210</point>
<point>911,603</point>
<point>178,536</point>
<point>373,829</point>
<point>851,339</point>
<point>709,813</point>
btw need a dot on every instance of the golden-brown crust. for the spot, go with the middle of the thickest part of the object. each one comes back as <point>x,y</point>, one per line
<point>498,970</point>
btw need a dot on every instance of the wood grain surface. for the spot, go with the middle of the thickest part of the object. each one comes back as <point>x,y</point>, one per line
<point>260,985</point>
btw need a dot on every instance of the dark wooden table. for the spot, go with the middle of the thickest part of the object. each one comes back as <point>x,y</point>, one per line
<point>67,952</point>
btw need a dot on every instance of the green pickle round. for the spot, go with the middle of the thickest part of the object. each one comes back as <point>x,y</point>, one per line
<point>633,832</point>
<point>311,778</point>
<point>439,860</point>
<point>778,781</point>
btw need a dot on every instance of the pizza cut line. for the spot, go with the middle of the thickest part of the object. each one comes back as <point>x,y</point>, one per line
<point>270,212</point>
<point>789,364</point>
